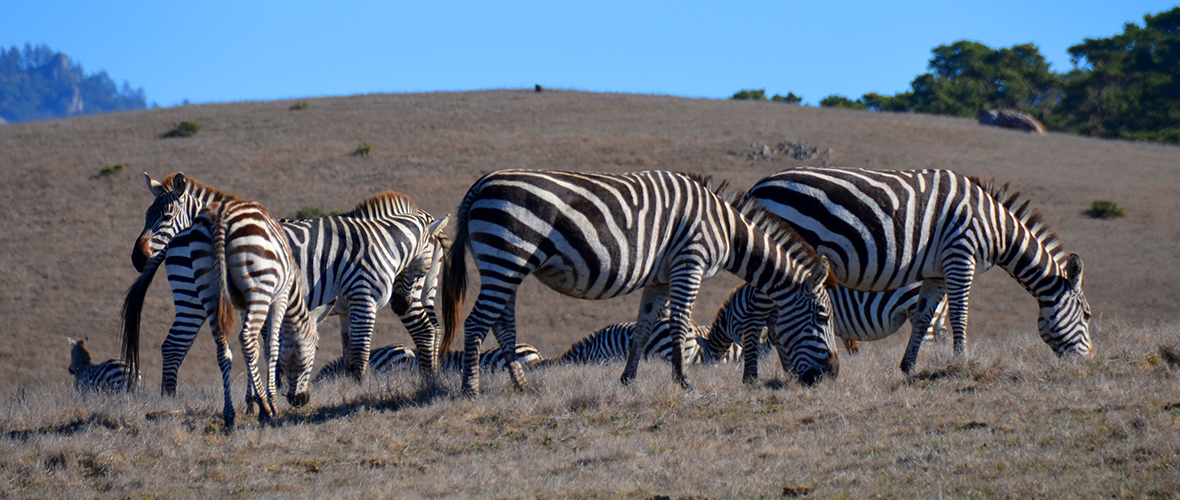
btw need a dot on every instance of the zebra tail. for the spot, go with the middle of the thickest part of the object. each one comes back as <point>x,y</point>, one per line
<point>225,308</point>
<point>132,309</point>
<point>454,273</point>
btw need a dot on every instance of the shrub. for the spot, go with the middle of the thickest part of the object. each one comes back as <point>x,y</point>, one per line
<point>750,95</point>
<point>311,213</point>
<point>839,101</point>
<point>184,129</point>
<point>363,149</point>
<point>790,98</point>
<point>111,171</point>
<point>1105,209</point>
<point>299,105</point>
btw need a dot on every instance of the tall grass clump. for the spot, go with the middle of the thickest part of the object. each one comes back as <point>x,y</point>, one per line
<point>111,171</point>
<point>183,129</point>
<point>1105,209</point>
<point>299,105</point>
<point>363,149</point>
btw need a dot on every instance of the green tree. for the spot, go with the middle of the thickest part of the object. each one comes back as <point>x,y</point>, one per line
<point>966,77</point>
<point>1127,85</point>
<point>790,98</point>
<point>839,101</point>
<point>750,95</point>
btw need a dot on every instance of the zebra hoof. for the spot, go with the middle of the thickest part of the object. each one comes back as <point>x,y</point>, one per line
<point>627,379</point>
<point>299,399</point>
<point>907,368</point>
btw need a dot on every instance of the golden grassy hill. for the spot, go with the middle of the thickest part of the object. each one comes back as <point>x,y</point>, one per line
<point>67,232</point>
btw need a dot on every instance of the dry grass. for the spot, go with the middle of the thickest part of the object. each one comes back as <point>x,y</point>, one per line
<point>1011,421</point>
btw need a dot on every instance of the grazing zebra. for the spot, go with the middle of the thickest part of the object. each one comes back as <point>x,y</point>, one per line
<point>595,236</point>
<point>395,357</point>
<point>386,247</point>
<point>887,229</point>
<point>857,316</point>
<point>612,342</point>
<point>110,375</point>
<point>240,257</point>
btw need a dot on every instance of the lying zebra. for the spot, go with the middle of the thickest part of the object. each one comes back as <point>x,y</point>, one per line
<point>395,357</point>
<point>110,375</point>
<point>857,316</point>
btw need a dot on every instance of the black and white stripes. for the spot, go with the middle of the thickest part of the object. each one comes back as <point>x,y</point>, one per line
<point>110,375</point>
<point>595,235</point>
<point>385,250</point>
<point>886,229</point>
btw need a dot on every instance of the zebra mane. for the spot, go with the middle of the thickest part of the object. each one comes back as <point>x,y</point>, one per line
<point>193,187</point>
<point>779,230</point>
<point>720,190</point>
<point>1031,218</point>
<point>384,204</point>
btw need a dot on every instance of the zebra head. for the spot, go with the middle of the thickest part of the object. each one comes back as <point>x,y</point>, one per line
<point>172,212</point>
<point>1064,323</point>
<point>79,356</point>
<point>803,326</point>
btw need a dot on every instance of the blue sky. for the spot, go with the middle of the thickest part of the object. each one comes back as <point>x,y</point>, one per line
<point>217,51</point>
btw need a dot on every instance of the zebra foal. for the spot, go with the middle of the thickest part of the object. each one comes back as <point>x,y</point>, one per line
<point>110,375</point>
<point>598,235</point>
<point>887,229</point>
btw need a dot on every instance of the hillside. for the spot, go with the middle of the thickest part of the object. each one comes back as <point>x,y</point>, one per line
<point>64,257</point>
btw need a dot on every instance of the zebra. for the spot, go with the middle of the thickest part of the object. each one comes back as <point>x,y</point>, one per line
<point>364,257</point>
<point>857,316</point>
<point>599,235</point>
<point>110,375</point>
<point>240,257</point>
<point>611,342</point>
<point>887,229</point>
<point>393,357</point>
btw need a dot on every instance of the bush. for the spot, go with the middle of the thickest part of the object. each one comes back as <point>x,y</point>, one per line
<point>790,98</point>
<point>839,101</point>
<point>1105,209</point>
<point>184,129</point>
<point>299,105</point>
<point>750,95</point>
<point>311,213</point>
<point>111,171</point>
<point>363,149</point>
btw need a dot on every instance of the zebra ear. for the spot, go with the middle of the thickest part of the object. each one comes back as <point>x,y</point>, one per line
<point>178,183</point>
<point>438,226</point>
<point>821,273</point>
<point>1073,270</point>
<point>156,188</point>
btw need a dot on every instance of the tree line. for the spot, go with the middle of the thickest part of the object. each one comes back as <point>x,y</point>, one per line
<point>1126,86</point>
<point>38,83</point>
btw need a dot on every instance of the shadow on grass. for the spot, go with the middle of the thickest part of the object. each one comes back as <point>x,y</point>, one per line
<point>75,426</point>
<point>368,402</point>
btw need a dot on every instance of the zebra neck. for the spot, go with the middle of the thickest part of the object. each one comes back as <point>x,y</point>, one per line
<point>1028,261</point>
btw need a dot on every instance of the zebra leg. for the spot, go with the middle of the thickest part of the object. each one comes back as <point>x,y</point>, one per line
<point>225,359</point>
<point>928,296</point>
<point>175,347</point>
<point>248,338</point>
<point>416,312</point>
<point>655,297</point>
<point>271,332</point>
<point>683,290</point>
<point>475,328</point>
<point>362,315</point>
<point>506,336</point>
<point>958,291</point>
